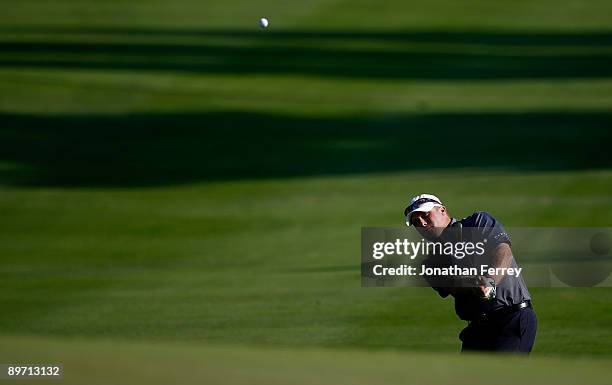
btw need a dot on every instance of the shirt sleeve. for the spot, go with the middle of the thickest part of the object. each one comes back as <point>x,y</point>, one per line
<point>487,229</point>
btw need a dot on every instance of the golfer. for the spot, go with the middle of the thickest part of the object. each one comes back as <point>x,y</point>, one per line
<point>497,306</point>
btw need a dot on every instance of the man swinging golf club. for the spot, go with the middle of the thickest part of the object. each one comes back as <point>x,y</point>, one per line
<point>497,306</point>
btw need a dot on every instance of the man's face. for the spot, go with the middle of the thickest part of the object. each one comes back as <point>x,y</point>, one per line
<point>430,224</point>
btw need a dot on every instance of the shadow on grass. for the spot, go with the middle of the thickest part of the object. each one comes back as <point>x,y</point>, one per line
<point>149,149</point>
<point>353,54</point>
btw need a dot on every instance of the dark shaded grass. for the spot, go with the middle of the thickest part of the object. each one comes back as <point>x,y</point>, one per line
<point>163,149</point>
<point>436,55</point>
<point>494,37</point>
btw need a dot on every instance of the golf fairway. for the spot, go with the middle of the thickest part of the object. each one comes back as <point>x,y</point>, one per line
<point>102,362</point>
<point>182,192</point>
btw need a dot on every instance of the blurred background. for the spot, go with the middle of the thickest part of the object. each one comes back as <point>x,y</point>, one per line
<point>175,177</point>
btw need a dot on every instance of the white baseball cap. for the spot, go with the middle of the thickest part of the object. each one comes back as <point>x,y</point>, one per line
<point>423,203</point>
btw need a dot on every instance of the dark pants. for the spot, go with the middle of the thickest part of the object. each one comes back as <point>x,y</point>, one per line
<point>514,332</point>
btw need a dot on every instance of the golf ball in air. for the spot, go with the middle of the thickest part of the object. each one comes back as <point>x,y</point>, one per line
<point>263,22</point>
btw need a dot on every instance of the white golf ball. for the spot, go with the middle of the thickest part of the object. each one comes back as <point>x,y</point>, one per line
<point>263,22</point>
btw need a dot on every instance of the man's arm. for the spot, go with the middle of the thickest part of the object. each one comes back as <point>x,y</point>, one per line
<point>453,285</point>
<point>501,258</point>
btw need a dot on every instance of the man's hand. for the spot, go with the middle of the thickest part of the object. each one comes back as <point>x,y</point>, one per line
<point>502,258</point>
<point>487,289</point>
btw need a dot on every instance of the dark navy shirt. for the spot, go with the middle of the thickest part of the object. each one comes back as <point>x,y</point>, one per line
<point>479,227</point>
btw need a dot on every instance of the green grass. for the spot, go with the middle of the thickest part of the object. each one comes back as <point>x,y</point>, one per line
<point>103,362</point>
<point>170,172</point>
<point>328,14</point>
<point>272,261</point>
